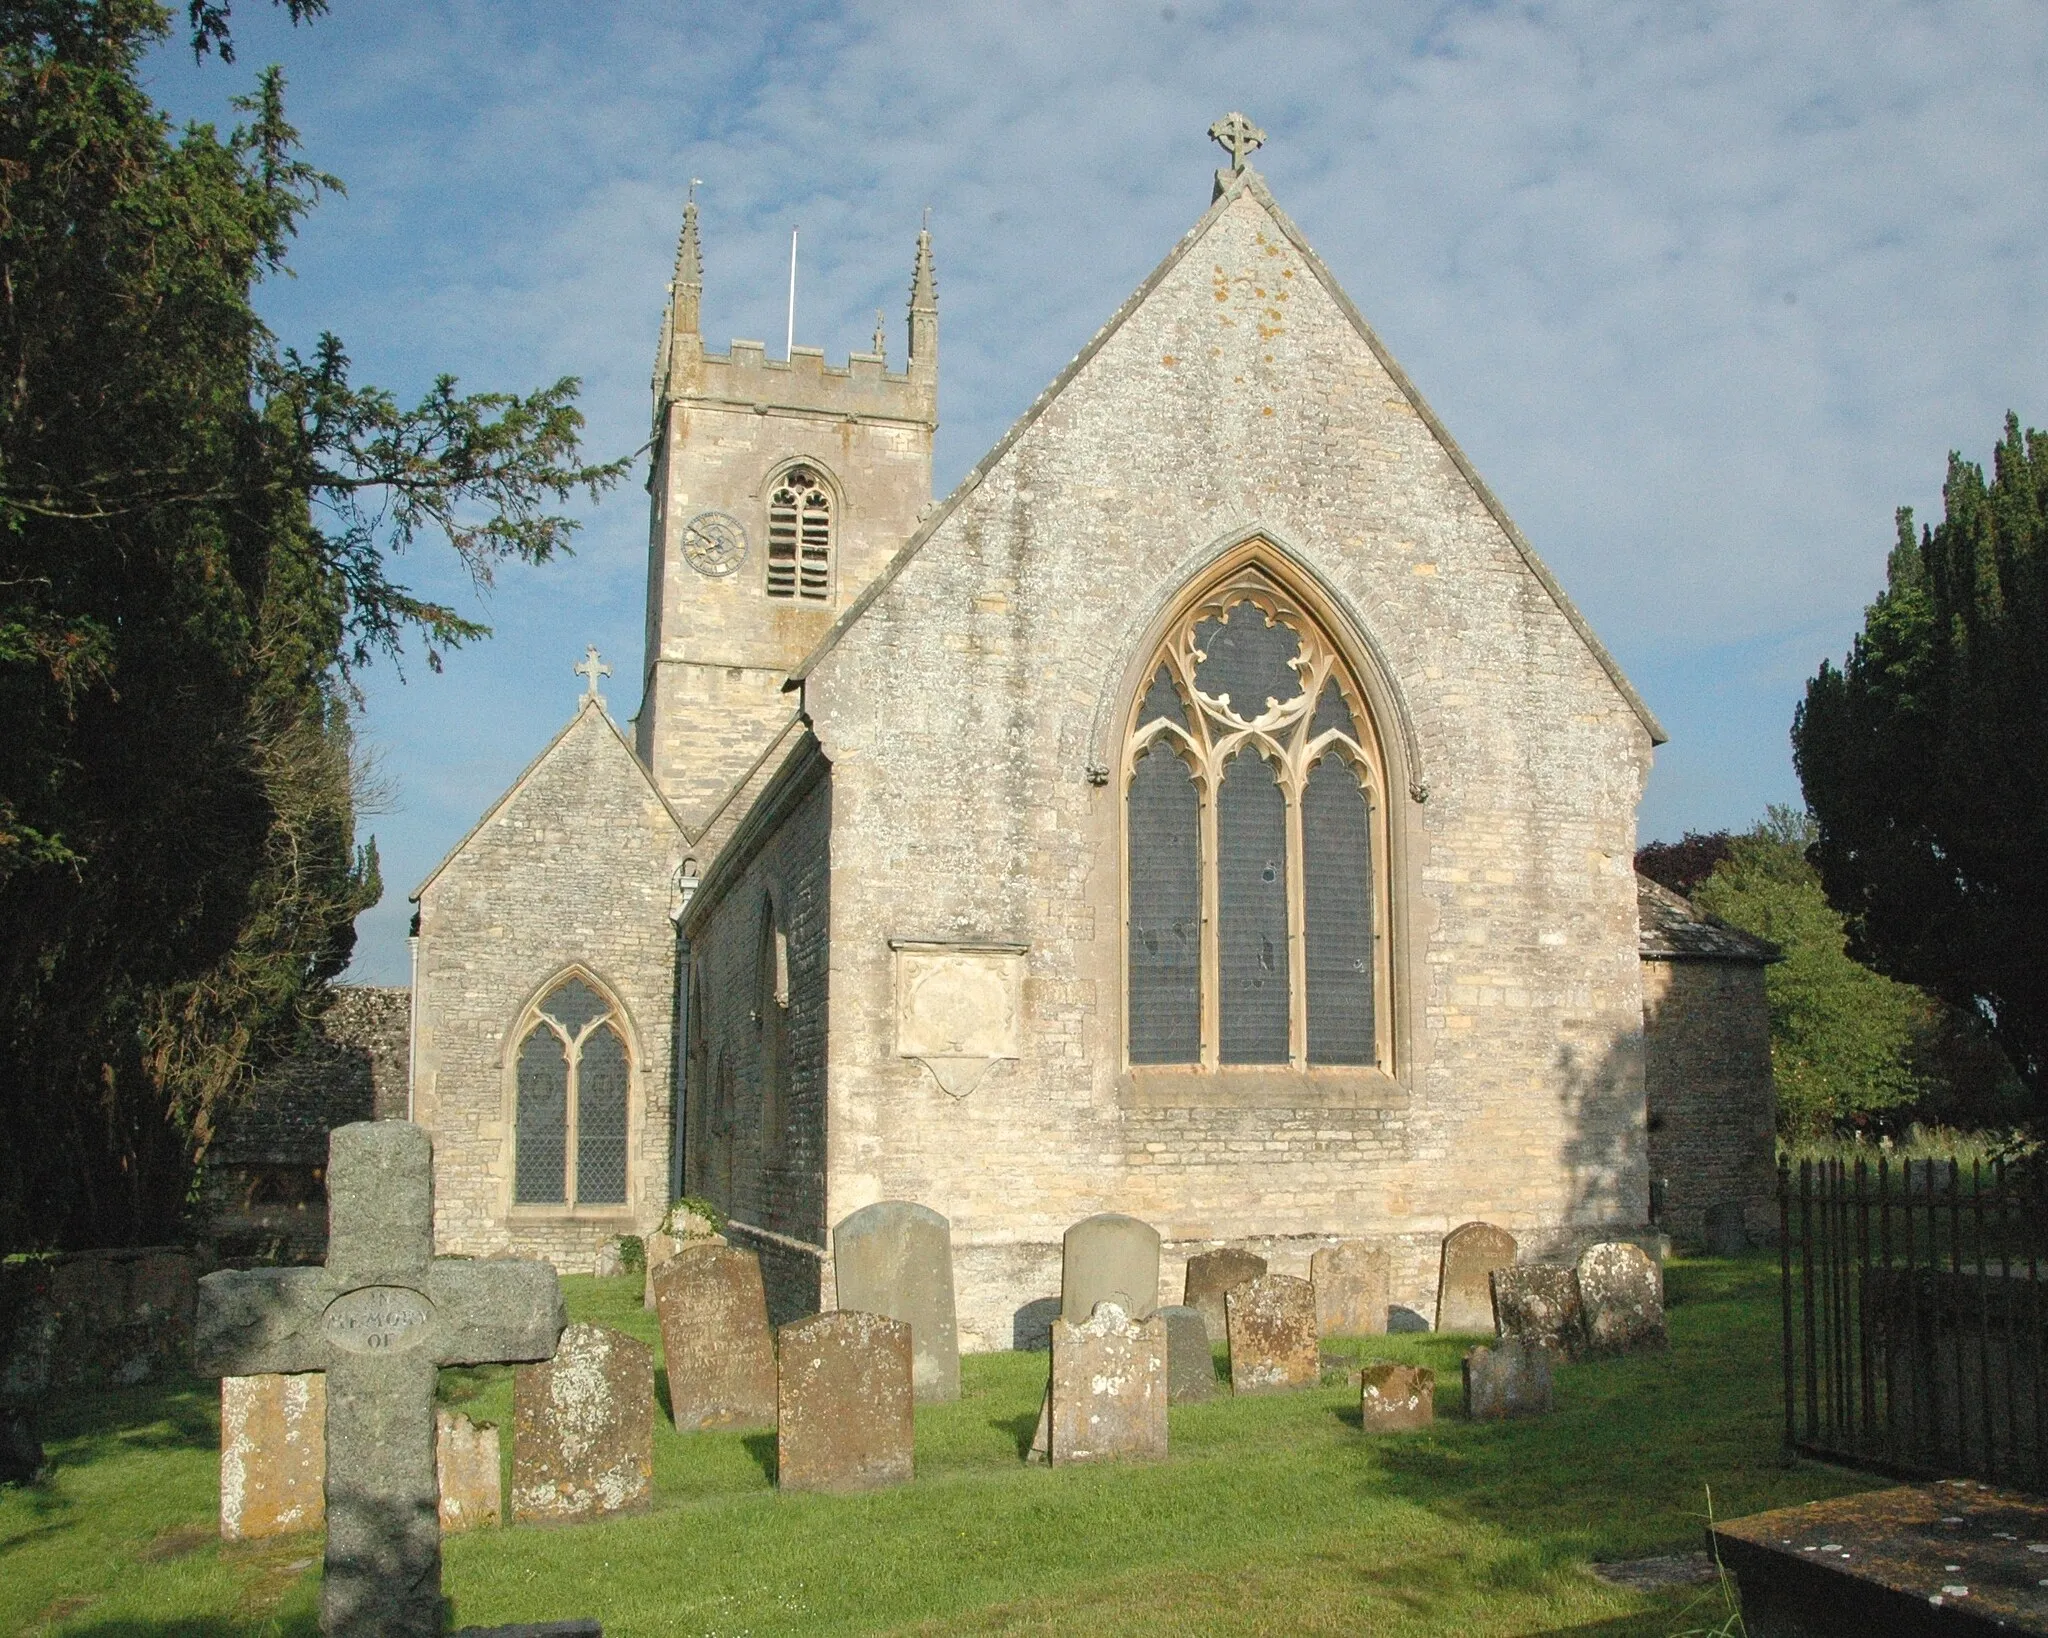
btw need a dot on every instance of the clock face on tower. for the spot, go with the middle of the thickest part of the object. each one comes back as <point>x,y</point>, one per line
<point>715,543</point>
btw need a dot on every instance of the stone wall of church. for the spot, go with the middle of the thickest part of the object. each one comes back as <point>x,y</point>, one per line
<point>573,868</point>
<point>971,712</point>
<point>754,1098</point>
<point>1712,1103</point>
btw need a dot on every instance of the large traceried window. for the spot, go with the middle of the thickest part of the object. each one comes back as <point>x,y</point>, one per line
<point>573,1077</point>
<point>800,536</point>
<point>1254,828</point>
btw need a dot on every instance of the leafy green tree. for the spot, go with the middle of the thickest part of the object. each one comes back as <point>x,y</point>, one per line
<point>1924,758</point>
<point>1842,1036</point>
<point>196,527</point>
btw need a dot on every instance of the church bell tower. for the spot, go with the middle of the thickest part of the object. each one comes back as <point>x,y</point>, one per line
<point>780,488</point>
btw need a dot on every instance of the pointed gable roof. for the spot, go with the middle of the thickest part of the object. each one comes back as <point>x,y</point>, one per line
<point>591,703</point>
<point>1244,181</point>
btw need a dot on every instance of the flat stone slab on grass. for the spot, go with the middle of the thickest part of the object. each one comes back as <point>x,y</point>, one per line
<point>1109,1395</point>
<point>1354,1287</point>
<point>1464,1287</point>
<point>895,1258</point>
<point>1952,1557</point>
<point>1190,1359</point>
<point>1507,1380</point>
<point>844,1403</point>
<point>1656,1574</point>
<point>1396,1398</point>
<point>1622,1291</point>
<point>1211,1275</point>
<point>1273,1335</point>
<point>583,1429</point>
<point>1540,1303</point>
<point>535,1629</point>
<point>715,1338</point>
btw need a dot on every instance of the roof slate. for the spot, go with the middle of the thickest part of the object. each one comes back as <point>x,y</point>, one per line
<point>1674,929</point>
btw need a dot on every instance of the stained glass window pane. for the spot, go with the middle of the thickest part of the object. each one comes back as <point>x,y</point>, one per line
<point>1166,901</point>
<point>1332,712</point>
<point>1251,842</point>
<point>1336,834</point>
<point>542,1143</point>
<point>572,1004</point>
<point>1247,659</point>
<point>601,1119</point>
<point>1162,701</point>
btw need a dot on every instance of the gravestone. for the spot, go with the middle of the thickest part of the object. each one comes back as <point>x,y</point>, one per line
<point>608,1263</point>
<point>1396,1398</point>
<point>380,1319</point>
<point>845,1392</point>
<point>1190,1361</point>
<point>466,1458</point>
<point>1212,1274</point>
<point>1354,1289</point>
<point>583,1429</point>
<point>1623,1294</point>
<point>1109,1389</point>
<point>273,1455</point>
<point>714,1332</point>
<point>1273,1335</point>
<point>1539,1303</point>
<point>1512,1378</point>
<point>1727,1231</point>
<point>1109,1258</point>
<point>1464,1292</point>
<point>895,1258</point>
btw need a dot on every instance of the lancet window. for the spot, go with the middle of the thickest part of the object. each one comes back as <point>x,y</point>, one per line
<point>573,1076</point>
<point>1256,848</point>
<point>800,536</point>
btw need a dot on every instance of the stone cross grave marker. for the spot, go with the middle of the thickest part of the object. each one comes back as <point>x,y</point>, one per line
<point>895,1258</point>
<point>1464,1291</point>
<point>1109,1391</point>
<point>379,1319</point>
<point>1539,1303</point>
<point>844,1403</point>
<point>1273,1335</point>
<point>1354,1286</point>
<point>1623,1294</point>
<point>714,1333</point>
<point>583,1429</point>
<point>1211,1275</point>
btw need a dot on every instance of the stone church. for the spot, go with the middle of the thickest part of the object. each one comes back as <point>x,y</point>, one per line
<point>1212,810</point>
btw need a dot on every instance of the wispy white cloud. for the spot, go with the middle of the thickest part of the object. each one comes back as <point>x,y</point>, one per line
<point>1705,289</point>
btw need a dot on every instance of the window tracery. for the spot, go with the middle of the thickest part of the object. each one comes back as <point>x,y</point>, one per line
<point>573,1080</point>
<point>1255,845</point>
<point>800,536</point>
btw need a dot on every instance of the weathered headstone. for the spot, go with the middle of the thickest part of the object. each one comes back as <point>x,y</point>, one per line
<point>380,1319</point>
<point>1539,1303</point>
<point>466,1457</point>
<point>1109,1389</point>
<point>1464,1293</point>
<point>714,1332</point>
<point>273,1455</point>
<point>844,1400</point>
<point>583,1429</point>
<point>895,1259</point>
<point>1109,1258</point>
<point>1354,1288</point>
<point>1211,1274</point>
<point>1623,1294</point>
<point>1272,1324</point>
<point>1190,1361</point>
<point>1396,1398</point>
<point>608,1262</point>
<point>1512,1378</point>
<point>1727,1230</point>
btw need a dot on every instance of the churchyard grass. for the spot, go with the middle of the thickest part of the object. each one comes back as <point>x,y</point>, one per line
<point>1273,1515</point>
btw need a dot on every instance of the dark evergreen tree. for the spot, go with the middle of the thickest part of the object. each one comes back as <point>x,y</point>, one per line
<point>1925,756</point>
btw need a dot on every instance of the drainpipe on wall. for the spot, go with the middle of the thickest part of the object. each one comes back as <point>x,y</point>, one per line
<point>412,1018</point>
<point>679,1045</point>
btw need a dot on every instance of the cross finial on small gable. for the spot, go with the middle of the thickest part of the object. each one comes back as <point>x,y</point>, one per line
<point>1238,136</point>
<point>593,668</point>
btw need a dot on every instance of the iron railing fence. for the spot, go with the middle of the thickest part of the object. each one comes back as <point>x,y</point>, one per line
<point>1914,1310</point>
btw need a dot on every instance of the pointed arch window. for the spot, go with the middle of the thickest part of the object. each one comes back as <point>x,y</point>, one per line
<point>574,1079</point>
<point>1255,844</point>
<point>800,536</point>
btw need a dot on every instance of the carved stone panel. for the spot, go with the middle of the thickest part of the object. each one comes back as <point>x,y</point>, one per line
<point>959,1008</point>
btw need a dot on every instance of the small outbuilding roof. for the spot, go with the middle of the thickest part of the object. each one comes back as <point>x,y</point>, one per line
<point>1671,928</point>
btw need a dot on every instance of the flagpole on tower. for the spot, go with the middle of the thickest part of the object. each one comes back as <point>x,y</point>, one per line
<point>789,343</point>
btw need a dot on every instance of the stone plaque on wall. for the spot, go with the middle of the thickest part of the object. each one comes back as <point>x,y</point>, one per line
<point>959,1008</point>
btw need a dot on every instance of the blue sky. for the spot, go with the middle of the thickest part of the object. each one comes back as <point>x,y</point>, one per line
<point>1704,290</point>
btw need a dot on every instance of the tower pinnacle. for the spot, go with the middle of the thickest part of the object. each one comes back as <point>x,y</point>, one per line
<point>924,312</point>
<point>680,319</point>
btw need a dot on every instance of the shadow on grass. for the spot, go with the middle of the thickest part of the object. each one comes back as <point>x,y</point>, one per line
<point>761,1446</point>
<point>1021,1430</point>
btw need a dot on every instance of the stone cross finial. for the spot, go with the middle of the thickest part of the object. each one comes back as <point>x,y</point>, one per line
<point>593,668</point>
<point>379,1319</point>
<point>1238,137</point>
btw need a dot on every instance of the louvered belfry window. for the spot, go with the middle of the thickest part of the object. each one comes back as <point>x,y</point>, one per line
<point>574,1083</point>
<point>800,537</point>
<point>1256,855</point>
